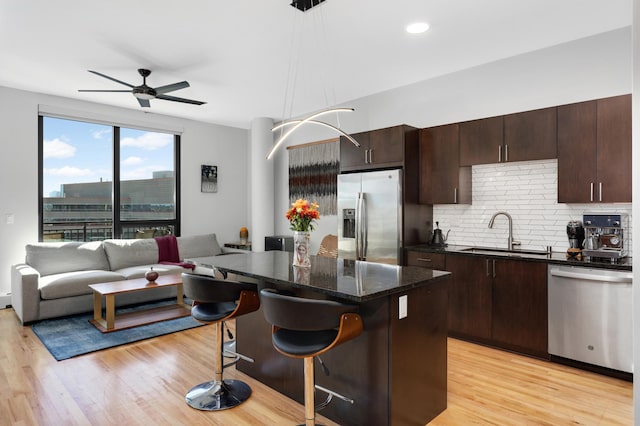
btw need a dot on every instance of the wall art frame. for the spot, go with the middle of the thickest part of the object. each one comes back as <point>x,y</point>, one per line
<point>208,178</point>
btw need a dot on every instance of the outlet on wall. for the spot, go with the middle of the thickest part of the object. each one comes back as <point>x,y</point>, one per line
<point>402,306</point>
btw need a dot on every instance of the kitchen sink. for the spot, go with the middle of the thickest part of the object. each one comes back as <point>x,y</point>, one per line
<point>505,252</point>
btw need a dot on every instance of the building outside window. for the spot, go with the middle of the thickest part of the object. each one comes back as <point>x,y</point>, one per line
<point>88,168</point>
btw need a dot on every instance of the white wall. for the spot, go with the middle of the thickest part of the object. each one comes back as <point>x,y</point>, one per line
<point>202,143</point>
<point>589,68</point>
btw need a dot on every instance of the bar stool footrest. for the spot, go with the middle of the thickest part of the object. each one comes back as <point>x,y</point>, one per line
<point>330,395</point>
<point>217,395</point>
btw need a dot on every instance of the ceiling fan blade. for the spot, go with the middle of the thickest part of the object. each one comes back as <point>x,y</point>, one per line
<point>89,90</point>
<point>176,99</point>
<point>144,103</point>
<point>111,78</point>
<point>171,87</point>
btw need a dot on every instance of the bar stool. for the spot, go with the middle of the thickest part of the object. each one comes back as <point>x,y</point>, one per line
<point>215,301</point>
<point>307,328</point>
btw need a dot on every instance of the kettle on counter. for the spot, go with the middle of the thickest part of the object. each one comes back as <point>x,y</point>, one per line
<point>438,239</point>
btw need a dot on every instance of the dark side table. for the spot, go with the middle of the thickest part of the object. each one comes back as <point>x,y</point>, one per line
<point>238,245</point>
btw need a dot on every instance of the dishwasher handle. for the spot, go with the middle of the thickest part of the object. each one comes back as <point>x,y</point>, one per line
<point>610,278</point>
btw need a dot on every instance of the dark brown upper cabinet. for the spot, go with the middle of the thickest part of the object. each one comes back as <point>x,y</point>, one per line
<point>442,180</point>
<point>351,156</point>
<point>481,141</point>
<point>530,135</point>
<point>523,136</point>
<point>594,151</point>
<point>382,148</point>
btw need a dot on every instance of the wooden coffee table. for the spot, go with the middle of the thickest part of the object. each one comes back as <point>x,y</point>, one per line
<point>111,322</point>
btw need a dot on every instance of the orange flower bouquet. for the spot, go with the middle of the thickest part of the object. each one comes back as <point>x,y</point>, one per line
<point>302,214</point>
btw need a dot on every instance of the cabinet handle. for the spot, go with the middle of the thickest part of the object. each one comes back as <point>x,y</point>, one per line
<point>499,153</point>
<point>600,190</point>
<point>455,195</point>
<point>423,259</point>
<point>591,199</point>
<point>494,268</point>
<point>487,260</point>
<point>506,153</point>
<point>371,156</point>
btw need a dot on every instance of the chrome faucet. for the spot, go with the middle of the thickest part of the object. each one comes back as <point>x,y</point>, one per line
<point>511,242</point>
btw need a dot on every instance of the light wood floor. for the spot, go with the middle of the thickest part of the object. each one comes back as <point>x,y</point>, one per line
<point>144,383</point>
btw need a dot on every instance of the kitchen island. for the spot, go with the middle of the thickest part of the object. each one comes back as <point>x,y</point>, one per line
<point>395,371</point>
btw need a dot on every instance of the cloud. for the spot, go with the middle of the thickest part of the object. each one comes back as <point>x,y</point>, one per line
<point>132,161</point>
<point>149,141</point>
<point>68,172</point>
<point>57,148</point>
<point>138,173</point>
<point>97,134</point>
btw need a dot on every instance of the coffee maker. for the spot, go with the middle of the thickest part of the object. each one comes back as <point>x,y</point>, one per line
<point>575,233</point>
<point>604,235</point>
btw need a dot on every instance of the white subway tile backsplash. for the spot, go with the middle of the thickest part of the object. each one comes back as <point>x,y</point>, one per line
<point>528,191</point>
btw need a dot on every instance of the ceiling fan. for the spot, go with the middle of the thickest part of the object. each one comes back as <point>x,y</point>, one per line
<point>144,93</point>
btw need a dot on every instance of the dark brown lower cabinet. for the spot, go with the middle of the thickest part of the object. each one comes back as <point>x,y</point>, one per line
<point>499,302</point>
<point>469,297</point>
<point>519,307</point>
<point>426,260</point>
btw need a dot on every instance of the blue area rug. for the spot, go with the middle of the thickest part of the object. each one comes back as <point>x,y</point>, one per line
<point>72,336</point>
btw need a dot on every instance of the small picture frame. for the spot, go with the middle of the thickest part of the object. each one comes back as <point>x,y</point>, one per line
<point>209,178</point>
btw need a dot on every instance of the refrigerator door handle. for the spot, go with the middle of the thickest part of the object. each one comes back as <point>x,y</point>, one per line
<point>360,232</point>
<point>364,227</point>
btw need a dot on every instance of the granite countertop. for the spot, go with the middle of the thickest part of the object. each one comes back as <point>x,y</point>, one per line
<point>558,258</point>
<point>352,280</point>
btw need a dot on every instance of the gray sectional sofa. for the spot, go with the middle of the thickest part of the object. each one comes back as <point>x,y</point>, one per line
<point>54,280</point>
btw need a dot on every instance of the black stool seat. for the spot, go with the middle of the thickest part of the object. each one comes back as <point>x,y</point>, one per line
<point>302,343</point>
<point>215,301</point>
<point>210,312</point>
<point>307,328</point>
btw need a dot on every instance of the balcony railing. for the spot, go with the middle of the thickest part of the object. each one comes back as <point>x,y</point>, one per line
<point>87,231</point>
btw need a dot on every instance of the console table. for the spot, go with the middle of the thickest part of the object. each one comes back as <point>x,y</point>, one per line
<point>396,370</point>
<point>238,245</point>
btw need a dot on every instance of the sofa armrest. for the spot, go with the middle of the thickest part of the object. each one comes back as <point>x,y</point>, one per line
<point>25,297</point>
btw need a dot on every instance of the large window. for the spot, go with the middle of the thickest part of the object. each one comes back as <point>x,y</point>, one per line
<point>87,168</point>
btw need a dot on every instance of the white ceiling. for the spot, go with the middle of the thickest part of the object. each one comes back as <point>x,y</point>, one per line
<point>237,54</point>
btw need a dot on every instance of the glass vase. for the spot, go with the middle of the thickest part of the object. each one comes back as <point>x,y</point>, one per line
<point>301,249</point>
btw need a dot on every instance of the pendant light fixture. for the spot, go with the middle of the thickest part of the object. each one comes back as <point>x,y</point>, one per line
<point>295,124</point>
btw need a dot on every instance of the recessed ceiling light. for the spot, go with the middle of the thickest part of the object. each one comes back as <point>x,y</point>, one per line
<point>417,28</point>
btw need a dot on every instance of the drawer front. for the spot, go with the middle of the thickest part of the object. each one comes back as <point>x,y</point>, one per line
<point>426,260</point>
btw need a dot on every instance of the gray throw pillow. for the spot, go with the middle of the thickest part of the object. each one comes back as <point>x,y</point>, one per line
<point>198,246</point>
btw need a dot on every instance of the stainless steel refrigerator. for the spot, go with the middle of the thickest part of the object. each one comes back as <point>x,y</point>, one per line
<point>370,216</point>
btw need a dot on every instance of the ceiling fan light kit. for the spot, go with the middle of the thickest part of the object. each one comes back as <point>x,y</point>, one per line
<point>144,93</point>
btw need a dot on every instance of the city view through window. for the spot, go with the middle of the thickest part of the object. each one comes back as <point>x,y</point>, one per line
<point>78,189</point>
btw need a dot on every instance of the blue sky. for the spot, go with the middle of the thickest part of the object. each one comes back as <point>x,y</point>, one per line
<point>76,151</point>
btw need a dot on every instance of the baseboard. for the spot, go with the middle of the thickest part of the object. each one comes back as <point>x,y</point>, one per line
<point>5,301</point>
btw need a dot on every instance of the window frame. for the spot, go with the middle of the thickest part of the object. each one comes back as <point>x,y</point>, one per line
<point>117,225</point>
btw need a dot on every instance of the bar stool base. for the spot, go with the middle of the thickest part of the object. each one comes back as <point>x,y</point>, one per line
<point>218,395</point>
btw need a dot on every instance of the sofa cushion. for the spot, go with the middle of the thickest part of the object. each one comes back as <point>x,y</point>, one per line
<point>76,283</point>
<point>198,246</point>
<point>130,252</point>
<point>132,272</point>
<point>54,258</point>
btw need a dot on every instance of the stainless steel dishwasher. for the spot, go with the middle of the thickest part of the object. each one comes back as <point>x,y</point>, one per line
<point>590,316</point>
